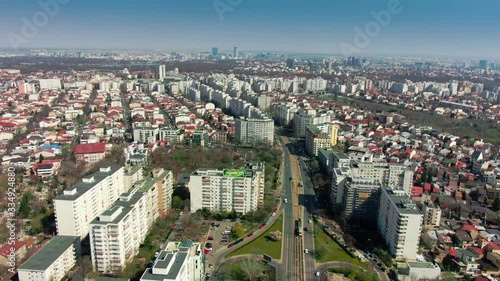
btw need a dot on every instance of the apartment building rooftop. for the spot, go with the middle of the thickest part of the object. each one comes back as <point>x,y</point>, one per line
<point>46,256</point>
<point>404,204</point>
<point>230,173</point>
<point>415,264</point>
<point>74,192</point>
<point>170,261</point>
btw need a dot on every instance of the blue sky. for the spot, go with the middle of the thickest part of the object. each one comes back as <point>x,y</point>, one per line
<point>459,28</point>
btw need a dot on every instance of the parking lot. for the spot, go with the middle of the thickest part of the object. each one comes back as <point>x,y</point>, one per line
<point>215,234</point>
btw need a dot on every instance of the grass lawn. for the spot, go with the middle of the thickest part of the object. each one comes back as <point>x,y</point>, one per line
<point>327,249</point>
<point>263,245</point>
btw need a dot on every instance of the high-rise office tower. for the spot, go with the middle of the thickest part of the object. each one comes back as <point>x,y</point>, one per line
<point>329,67</point>
<point>162,72</point>
<point>235,52</point>
<point>290,63</point>
<point>483,64</point>
<point>215,51</point>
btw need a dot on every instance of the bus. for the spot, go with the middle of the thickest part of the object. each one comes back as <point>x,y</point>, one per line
<point>299,227</point>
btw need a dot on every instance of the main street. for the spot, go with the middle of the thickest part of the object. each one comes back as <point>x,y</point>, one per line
<point>293,246</point>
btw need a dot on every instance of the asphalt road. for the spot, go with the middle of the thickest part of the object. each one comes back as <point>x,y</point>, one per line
<point>307,198</point>
<point>288,255</point>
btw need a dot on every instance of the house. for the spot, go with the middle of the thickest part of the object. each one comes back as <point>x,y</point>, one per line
<point>90,153</point>
<point>466,260</point>
<point>20,251</point>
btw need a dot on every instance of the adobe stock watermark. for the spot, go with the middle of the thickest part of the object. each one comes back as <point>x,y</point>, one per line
<point>11,220</point>
<point>372,29</point>
<point>40,19</point>
<point>223,6</point>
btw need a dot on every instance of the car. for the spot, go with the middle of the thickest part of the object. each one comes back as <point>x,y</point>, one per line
<point>250,234</point>
<point>230,245</point>
<point>208,245</point>
<point>274,214</point>
<point>276,209</point>
<point>210,265</point>
<point>317,273</point>
<point>210,238</point>
<point>262,226</point>
<point>310,221</point>
<point>306,251</point>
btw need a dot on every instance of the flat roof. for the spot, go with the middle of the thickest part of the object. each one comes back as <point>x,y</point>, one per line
<point>46,256</point>
<point>83,187</point>
<point>403,203</point>
<point>421,264</point>
<point>177,259</point>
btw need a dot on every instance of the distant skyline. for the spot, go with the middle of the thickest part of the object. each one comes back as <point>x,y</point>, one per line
<point>462,28</point>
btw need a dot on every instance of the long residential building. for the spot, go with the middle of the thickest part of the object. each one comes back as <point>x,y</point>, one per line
<point>254,130</point>
<point>178,262</point>
<point>228,190</point>
<point>284,113</point>
<point>354,183</point>
<point>400,223</point>
<point>52,262</point>
<point>320,136</point>
<point>83,202</point>
<point>115,236</point>
<point>306,117</point>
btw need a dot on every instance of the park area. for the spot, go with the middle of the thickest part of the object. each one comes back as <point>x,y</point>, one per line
<point>326,249</point>
<point>264,244</point>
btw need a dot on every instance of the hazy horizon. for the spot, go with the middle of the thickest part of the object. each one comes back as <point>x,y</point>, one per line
<point>419,28</point>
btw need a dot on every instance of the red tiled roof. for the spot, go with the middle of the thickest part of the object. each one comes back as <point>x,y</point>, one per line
<point>5,249</point>
<point>90,148</point>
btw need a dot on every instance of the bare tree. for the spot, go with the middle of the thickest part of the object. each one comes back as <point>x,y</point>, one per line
<point>252,268</point>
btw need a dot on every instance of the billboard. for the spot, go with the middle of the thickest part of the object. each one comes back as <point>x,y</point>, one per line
<point>267,258</point>
<point>234,173</point>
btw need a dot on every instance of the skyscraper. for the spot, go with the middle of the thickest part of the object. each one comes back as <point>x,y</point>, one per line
<point>235,52</point>
<point>215,51</point>
<point>329,67</point>
<point>162,72</point>
<point>483,64</point>
<point>290,63</point>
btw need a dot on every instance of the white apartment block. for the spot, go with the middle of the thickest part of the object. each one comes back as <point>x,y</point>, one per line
<point>133,174</point>
<point>432,214</point>
<point>83,202</point>
<point>52,262</point>
<point>178,262</point>
<point>171,134</point>
<point>348,172</point>
<point>115,236</point>
<point>145,134</point>
<point>227,190</point>
<point>400,223</point>
<point>255,130</point>
<point>319,137</point>
<point>284,113</point>
<point>306,117</point>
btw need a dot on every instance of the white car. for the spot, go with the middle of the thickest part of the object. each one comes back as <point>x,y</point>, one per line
<point>317,273</point>
<point>306,251</point>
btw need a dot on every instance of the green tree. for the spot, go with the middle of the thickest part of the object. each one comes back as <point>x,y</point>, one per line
<point>177,203</point>
<point>41,158</point>
<point>25,204</point>
<point>496,204</point>
<point>237,231</point>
